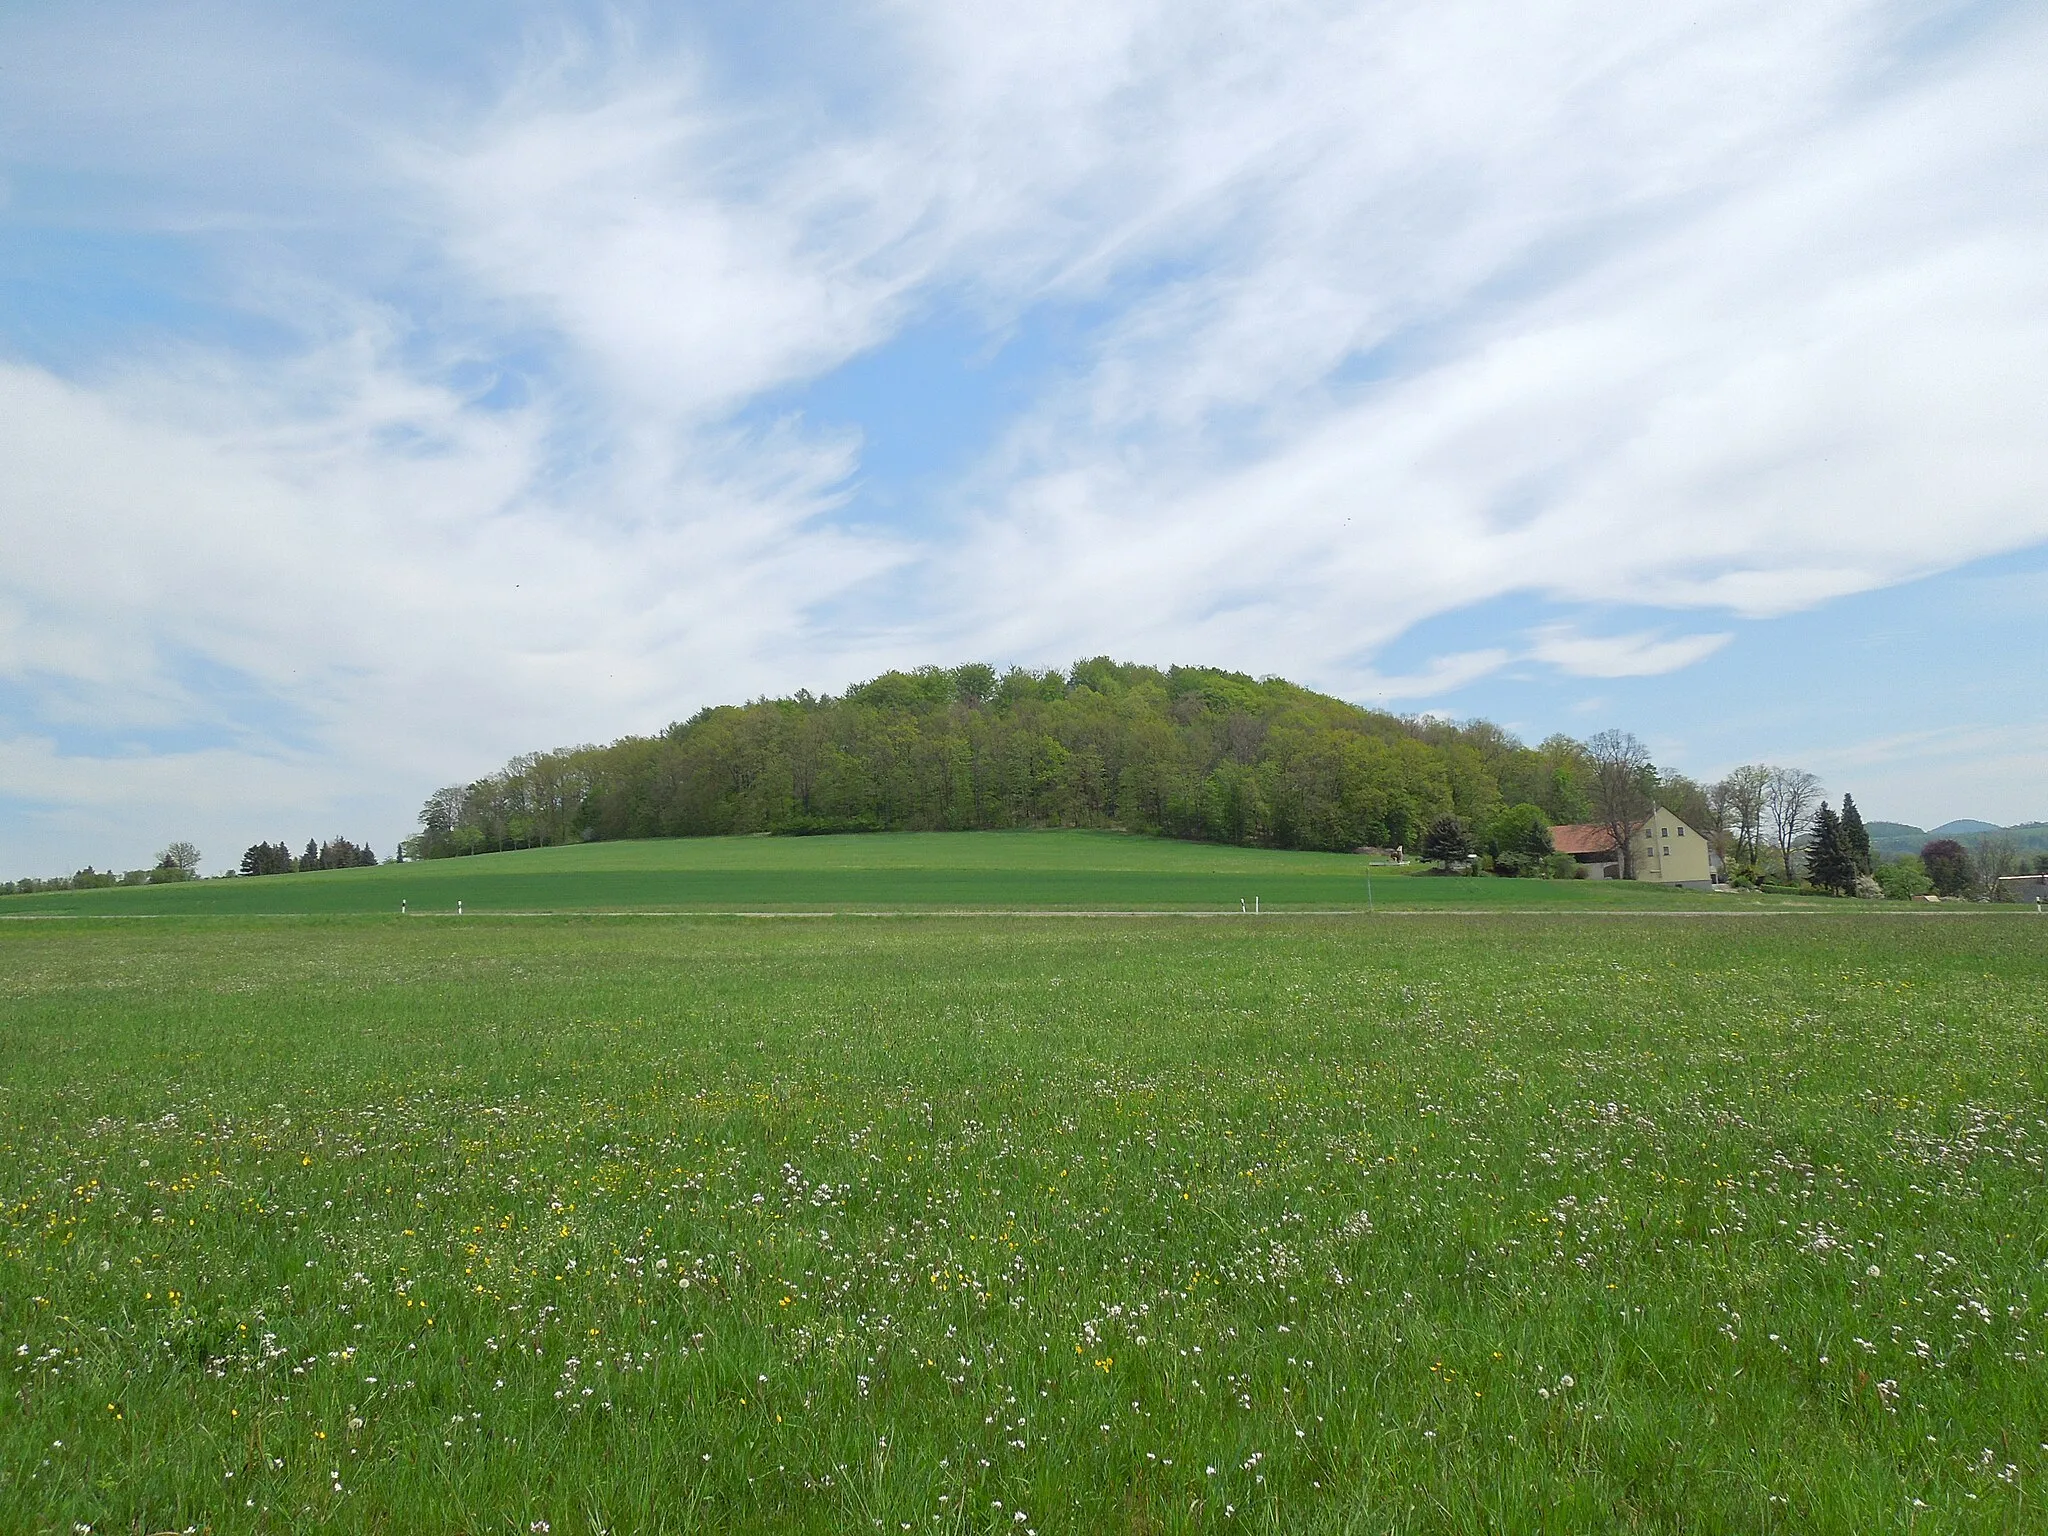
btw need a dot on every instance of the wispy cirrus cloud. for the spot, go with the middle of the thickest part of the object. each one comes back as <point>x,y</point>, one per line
<point>428,403</point>
<point>1636,655</point>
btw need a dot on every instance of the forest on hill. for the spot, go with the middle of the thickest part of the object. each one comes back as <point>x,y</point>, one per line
<point>1188,752</point>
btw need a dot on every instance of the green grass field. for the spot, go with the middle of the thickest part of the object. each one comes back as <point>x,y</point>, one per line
<point>1325,1224</point>
<point>976,870</point>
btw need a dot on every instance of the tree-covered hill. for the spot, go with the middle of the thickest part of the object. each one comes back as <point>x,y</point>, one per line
<point>1187,752</point>
<point>1890,839</point>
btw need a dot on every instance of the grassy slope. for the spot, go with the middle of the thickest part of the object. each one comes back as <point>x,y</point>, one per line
<point>909,870</point>
<point>1449,1224</point>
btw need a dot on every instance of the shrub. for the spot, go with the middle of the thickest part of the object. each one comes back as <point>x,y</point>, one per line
<point>1520,831</point>
<point>1904,878</point>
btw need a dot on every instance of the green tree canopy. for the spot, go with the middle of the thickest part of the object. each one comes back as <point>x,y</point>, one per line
<point>1522,830</point>
<point>1191,752</point>
<point>1948,865</point>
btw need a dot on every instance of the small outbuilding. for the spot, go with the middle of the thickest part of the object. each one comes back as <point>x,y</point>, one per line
<point>1666,851</point>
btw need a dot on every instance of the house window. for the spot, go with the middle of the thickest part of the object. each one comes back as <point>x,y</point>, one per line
<point>1681,831</point>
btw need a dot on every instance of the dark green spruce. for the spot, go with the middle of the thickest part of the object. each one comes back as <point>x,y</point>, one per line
<point>1829,862</point>
<point>1855,837</point>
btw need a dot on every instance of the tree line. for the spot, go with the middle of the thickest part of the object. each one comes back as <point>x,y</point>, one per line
<point>180,862</point>
<point>1187,752</point>
<point>277,859</point>
<point>177,862</point>
<point>1776,826</point>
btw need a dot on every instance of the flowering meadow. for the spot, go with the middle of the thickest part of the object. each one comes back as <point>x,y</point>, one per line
<point>1416,1223</point>
<point>975,872</point>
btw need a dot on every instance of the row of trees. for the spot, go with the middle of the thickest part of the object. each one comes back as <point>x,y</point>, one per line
<point>1944,867</point>
<point>1763,815</point>
<point>1186,752</point>
<point>276,858</point>
<point>1514,841</point>
<point>179,861</point>
<point>1767,816</point>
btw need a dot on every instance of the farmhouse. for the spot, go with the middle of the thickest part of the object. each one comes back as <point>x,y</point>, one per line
<point>2033,888</point>
<point>1667,851</point>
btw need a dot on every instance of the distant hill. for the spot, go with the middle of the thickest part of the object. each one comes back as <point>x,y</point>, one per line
<point>1889,839</point>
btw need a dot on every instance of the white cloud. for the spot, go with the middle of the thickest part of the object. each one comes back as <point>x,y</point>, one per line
<point>1634,655</point>
<point>392,599</point>
<point>1390,310</point>
<point>1815,367</point>
<point>1444,674</point>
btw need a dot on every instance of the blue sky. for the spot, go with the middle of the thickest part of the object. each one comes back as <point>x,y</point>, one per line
<point>387,390</point>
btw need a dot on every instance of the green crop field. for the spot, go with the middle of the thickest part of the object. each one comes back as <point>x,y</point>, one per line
<point>1433,1222</point>
<point>981,870</point>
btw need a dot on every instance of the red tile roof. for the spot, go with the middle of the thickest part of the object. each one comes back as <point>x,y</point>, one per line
<point>1582,837</point>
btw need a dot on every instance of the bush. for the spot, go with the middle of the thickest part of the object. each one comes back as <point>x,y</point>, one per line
<point>1904,878</point>
<point>1519,832</point>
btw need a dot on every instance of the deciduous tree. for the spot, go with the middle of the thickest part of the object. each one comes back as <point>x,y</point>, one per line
<point>1623,782</point>
<point>1948,865</point>
<point>1517,837</point>
<point>1789,795</point>
<point>179,861</point>
<point>1903,878</point>
<point>1738,803</point>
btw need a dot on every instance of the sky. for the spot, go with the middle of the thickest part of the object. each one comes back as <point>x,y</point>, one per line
<point>386,390</point>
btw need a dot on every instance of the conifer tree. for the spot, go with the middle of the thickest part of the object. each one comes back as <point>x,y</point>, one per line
<point>1829,864</point>
<point>1446,841</point>
<point>1854,836</point>
<point>267,859</point>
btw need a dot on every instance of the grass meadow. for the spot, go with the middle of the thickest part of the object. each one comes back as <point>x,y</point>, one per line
<point>1432,1222</point>
<point>1046,871</point>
